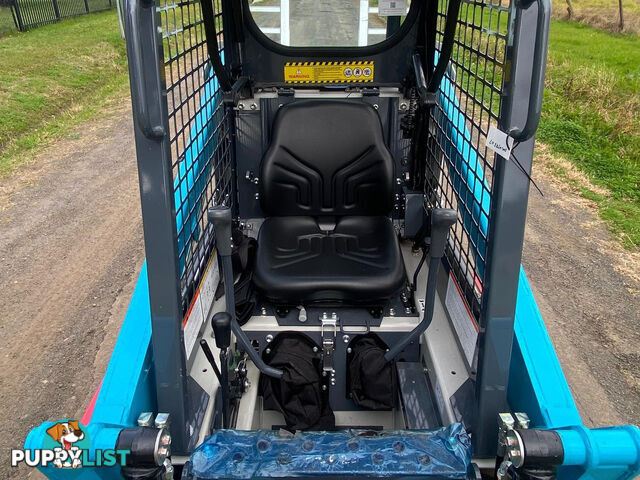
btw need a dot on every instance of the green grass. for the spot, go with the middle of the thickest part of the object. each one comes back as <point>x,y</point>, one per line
<point>591,116</point>
<point>55,77</point>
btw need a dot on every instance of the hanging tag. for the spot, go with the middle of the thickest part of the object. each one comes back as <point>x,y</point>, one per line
<point>391,8</point>
<point>499,142</point>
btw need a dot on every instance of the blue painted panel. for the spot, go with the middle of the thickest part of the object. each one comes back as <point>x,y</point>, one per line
<point>537,384</point>
<point>127,388</point>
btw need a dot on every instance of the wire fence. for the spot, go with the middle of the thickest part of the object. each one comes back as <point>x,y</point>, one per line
<point>23,15</point>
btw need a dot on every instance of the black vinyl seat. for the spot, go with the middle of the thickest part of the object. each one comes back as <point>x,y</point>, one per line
<point>327,188</point>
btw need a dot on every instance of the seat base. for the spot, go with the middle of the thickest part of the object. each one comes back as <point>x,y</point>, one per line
<point>302,260</point>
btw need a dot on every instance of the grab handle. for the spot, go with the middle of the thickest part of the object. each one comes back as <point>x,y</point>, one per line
<point>135,34</point>
<point>537,73</point>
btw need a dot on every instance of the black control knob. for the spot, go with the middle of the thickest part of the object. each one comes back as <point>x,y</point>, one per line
<point>442,219</point>
<point>221,324</point>
<point>220,217</point>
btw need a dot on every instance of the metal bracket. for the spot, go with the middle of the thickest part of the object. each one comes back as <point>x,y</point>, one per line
<point>506,422</point>
<point>241,88</point>
<point>328,332</point>
<point>510,445</point>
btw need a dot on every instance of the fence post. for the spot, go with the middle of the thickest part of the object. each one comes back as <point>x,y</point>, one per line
<point>56,9</point>
<point>18,16</point>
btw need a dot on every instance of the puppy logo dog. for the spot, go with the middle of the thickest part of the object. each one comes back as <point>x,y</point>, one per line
<point>66,434</point>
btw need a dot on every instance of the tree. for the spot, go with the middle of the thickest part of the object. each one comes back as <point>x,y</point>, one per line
<point>621,24</point>
<point>569,9</point>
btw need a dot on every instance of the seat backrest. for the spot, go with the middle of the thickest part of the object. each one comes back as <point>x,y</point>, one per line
<point>327,158</point>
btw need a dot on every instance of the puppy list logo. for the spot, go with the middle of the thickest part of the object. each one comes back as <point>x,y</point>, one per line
<point>67,446</point>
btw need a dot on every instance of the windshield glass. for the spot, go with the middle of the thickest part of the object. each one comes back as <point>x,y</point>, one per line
<point>328,23</point>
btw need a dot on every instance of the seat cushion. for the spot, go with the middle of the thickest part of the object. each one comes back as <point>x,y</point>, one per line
<point>357,262</point>
<point>327,157</point>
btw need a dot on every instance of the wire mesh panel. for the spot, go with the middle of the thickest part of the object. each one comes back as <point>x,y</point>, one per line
<point>199,134</point>
<point>460,169</point>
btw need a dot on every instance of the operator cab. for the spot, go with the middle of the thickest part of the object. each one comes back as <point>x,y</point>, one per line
<point>330,226</point>
<point>333,194</point>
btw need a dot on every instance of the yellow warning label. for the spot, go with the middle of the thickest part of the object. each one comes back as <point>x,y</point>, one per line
<point>328,72</point>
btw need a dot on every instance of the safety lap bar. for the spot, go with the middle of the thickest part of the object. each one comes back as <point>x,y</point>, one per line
<point>537,71</point>
<point>220,217</point>
<point>442,219</point>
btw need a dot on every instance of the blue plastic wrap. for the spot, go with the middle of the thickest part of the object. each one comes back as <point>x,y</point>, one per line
<point>232,454</point>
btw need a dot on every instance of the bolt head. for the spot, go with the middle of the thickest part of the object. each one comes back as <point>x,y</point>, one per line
<point>324,388</point>
<point>392,312</point>
<point>145,419</point>
<point>515,451</point>
<point>345,338</point>
<point>163,453</point>
<point>269,338</point>
<point>263,311</point>
<point>506,420</point>
<point>349,350</point>
<point>254,106</point>
<point>165,439</point>
<point>523,420</point>
<point>267,351</point>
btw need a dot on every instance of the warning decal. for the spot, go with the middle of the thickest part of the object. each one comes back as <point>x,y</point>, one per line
<point>200,305</point>
<point>328,72</point>
<point>463,322</point>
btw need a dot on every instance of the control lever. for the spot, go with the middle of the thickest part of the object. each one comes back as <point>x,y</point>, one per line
<point>220,217</point>
<point>442,219</point>
<point>221,324</point>
<point>212,361</point>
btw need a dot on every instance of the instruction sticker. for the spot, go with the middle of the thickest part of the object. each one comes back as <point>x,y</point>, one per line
<point>200,305</point>
<point>463,322</point>
<point>499,142</point>
<point>392,8</point>
<point>328,72</point>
